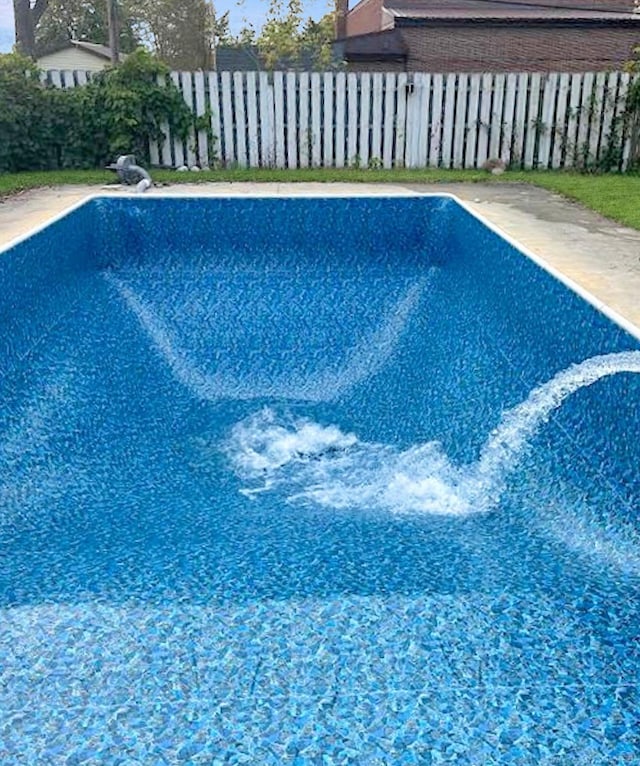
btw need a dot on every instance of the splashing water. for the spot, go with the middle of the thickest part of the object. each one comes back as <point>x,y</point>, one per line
<point>335,469</point>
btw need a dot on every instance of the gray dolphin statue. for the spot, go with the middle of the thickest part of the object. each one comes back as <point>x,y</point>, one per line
<point>131,174</point>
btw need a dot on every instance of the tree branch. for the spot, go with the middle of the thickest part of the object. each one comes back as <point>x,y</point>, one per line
<point>38,9</point>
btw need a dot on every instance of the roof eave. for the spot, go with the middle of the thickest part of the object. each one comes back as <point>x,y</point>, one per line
<point>404,21</point>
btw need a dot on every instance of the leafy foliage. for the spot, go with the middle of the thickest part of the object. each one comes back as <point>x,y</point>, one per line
<point>118,112</point>
<point>181,33</point>
<point>630,122</point>
<point>23,115</point>
<point>84,20</point>
<point>288,40</point>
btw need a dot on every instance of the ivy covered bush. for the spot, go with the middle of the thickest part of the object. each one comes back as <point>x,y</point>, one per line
<point>23,116</point>
<point>118,111</point>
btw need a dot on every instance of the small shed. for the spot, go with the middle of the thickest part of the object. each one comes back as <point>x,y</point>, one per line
<point>77,55</point>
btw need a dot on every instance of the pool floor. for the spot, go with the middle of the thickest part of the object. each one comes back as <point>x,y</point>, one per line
<point>192,574</point>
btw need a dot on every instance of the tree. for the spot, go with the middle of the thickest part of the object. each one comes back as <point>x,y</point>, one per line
<point>221,30</point>
<point>279,39</point>
<point>180,33</point>
<point>27,15</point>
<point>316,40</point>
<point>84,20</point>
<point>287,39</point>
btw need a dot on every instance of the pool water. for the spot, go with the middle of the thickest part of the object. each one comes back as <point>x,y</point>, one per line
<point>312,481</point>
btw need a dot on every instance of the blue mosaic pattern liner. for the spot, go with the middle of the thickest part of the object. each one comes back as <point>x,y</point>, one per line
<point>250,506</point>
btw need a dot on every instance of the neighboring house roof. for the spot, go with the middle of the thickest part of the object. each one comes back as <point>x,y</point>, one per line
<point>102,51</point>
<point>238,58</point>
<point>416,11</point>
<point>247,58</point>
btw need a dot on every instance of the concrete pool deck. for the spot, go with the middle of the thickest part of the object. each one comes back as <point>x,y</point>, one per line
<point>599,255</point>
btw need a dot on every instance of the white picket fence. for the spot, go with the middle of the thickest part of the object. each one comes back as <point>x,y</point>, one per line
<point>417,120</point>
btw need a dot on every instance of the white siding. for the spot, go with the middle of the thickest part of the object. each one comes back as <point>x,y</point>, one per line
<point>74,59</point>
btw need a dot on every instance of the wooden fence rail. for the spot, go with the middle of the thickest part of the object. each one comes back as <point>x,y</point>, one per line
<point>417,120</point>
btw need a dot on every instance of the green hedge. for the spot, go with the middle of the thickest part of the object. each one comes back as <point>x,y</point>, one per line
<point>117,112</point>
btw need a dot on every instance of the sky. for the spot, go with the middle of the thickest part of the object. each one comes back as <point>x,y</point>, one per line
<point>251,10</point>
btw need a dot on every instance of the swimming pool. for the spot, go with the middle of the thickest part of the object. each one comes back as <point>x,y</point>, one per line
<point>312,481</point>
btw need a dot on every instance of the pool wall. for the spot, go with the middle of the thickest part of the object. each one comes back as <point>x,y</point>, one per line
<point>38,282</point>
<point>256,229</point>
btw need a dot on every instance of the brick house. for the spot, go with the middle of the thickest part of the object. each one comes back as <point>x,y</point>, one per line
<point>487,35</point>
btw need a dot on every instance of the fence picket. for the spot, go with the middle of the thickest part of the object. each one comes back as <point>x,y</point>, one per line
<point>460,134</point>
<point>470,143</point>
<point>203,142</point>
<point>401,120</point>
<point>316,109</point>
<point>424,121</point>
<point>352,84</point>
<point>497,106</point>
<point>278,97</point>
<point>303,127</point>
<point>365,97</point>
<point>584,120</point>
<point>623,88</point>
<point>292,121</point>
<point>559,128</point>
<point>484,126</point>
<point>597,114</point>
<point>418,120</point>
<point>252,121</point>
<point>214,108</point>
<point>532,121</point>
<point>572,123</point>
<point>546,120</point>
<point>267,153</point>
<point>227,119</point>
<point>240,121</point>
<point>178,146</point>
<point>327,154</point>
<point>388,127</point>
<point>187,93</point>
<point>609,127</point>
<point>410,144</point>
<point>341,127</point>
<point>508,119</point>
<point>519,124</point>
<point>376,119</point>
<point>435,131</point>
<point>448,123</point>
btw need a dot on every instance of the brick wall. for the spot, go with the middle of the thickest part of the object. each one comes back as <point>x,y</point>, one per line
<point>474,48</point>
<point>365,17</point>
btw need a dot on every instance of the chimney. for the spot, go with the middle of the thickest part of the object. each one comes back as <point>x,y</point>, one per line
<point>342,8</point>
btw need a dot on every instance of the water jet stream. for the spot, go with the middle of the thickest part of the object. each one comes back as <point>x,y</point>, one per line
<point>326,466</point>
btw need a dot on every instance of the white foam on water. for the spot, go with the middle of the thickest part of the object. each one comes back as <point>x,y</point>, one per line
<point>334,469</point>
<point>323,465</point>
<point>364,360</point>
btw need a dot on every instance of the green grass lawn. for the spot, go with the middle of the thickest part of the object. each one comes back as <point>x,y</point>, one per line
<point>613,195</point>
